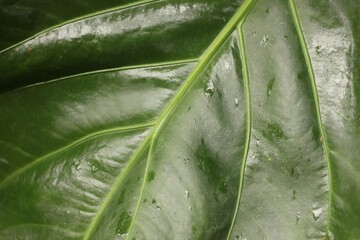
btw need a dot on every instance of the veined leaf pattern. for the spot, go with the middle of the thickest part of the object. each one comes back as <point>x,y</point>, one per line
<point>179,119</point>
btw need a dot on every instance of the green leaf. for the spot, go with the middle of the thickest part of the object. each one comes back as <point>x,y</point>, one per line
<point>180,119</point>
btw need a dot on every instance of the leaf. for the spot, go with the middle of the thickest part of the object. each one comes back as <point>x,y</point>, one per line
<point>179,119</point>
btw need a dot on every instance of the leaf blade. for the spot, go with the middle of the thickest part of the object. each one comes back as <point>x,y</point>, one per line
<point>199,141</point>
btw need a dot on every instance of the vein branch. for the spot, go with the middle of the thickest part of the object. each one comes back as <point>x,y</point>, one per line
<point>7,180</point>
<point>205,59</point>
<point>245,70</point>
<point>132,67</point>
<point>113,9</point>
<point>309,66</point>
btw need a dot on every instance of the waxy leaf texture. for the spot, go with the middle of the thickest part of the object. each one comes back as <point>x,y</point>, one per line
<point>180,119</point>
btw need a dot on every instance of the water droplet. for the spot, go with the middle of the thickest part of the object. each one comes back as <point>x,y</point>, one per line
<point>209,89</point>
<point>270,86</point>
<point>264,41</point>
<point>68,211</point>
<point>227,66</point>
<point>236,102</point>
<point>254,33</point>
<point>237,237</point>
<point>292,171</point>
<point>331,51</point>
<point>76,165</point>
<point>190,208</point>
<point>294,195</point>
<point>285,37</point>
<point>187,194</point>
<point>316,212</point>
<point>318,49</point>
<point>222,130</point>
<point>158,207</point>
<point>94,168</point>
<point>257,142</point>
<point>297,217</point>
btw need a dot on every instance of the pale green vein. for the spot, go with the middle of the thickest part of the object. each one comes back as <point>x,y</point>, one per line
<point>140,66</point>
<point>92,135</point>
<point>109,10</point>
<point>323,139</point>
<point>209,53</point>
<point>118,182</point>
<point>245,70</point>
<point>205,59</point>
<point>142,190</point>
<point>203,62</point>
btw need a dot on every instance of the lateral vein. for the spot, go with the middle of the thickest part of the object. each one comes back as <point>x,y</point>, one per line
<point>113,9</point>
<point>248,121</point>
<point>150,65</point>
<point>92,135</point>
<point>209,53</point>
<point>323,139</point>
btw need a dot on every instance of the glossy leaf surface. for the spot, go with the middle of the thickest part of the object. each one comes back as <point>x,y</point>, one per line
<point>180,119</point>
